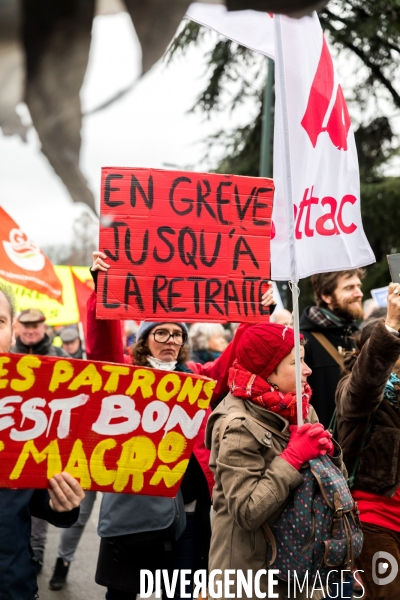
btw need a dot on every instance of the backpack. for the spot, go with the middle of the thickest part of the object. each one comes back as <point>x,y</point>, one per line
<point>318,530</point>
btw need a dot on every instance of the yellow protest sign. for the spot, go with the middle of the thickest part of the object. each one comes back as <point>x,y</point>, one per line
<point>55,312</point>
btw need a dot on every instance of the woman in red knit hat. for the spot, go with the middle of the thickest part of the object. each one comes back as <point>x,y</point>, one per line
<point>255,471</point>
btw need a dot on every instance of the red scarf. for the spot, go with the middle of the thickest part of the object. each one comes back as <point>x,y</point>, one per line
<point>248,386</point>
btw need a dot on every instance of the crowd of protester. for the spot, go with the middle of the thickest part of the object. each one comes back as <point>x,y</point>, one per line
<point>237,472</point>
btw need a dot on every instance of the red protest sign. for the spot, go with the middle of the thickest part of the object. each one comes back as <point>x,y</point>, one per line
<point>186,246</point>
<point>116,428</point>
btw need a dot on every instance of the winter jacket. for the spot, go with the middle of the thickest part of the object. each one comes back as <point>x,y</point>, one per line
<point>252,483</point>
<point>42,348</point>
<point>360,404</point>
<point>326,372</point>
<point>123,514</point>
<point>17,568</point>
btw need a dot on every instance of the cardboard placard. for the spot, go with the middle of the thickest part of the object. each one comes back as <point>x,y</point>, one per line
<point>115,428</point>
<point>184,246</point>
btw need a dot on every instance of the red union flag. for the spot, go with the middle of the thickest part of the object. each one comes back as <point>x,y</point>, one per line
<point>315,160</point>
<point>23,263</point>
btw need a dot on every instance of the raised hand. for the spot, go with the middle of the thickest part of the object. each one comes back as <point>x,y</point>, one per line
<point>393,306</point>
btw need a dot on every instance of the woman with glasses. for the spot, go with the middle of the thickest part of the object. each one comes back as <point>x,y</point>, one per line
<point>145,532</point>
<point>161,346</point>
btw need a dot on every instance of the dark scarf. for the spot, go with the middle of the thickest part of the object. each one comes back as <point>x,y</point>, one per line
<point>392,389</point>
<point>249,386</point>
<point>326,318</point>
<point>204,356</point>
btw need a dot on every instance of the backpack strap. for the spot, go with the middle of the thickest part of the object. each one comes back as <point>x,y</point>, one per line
<point>333,424</point>
<point>269,536</point>
<point>241,415</point>
<point>330,348</point>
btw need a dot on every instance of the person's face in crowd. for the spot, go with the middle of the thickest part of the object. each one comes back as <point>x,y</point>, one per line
<point>217,343</point>
<point>285,373</point>
<point>346,300</point>
<point>31,333</point>
<point>6,330</point>
<point>165,351</point>
<point>72,347</point>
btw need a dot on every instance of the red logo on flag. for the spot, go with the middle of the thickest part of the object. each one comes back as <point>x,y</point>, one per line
<point>22,262</point>
<point>318,118</point>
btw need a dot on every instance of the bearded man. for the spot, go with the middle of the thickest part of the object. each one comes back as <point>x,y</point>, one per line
<point>329,328</point>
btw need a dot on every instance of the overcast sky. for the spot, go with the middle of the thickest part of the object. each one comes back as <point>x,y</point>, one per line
<point>148,127</point>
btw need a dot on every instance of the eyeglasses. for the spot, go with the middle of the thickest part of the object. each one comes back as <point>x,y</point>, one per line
<point>163,336</point>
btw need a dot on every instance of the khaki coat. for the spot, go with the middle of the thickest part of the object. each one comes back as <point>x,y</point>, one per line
<point>252,484</point>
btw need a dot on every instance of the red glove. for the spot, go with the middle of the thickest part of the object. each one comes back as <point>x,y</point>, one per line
<point>307,442</point>
<point>325,440</point>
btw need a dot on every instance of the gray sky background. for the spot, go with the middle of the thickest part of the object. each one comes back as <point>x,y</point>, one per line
<point>148,127</point>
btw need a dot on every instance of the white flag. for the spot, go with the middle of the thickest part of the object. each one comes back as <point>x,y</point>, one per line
<point>250,28</point>
<point>316,171</point>
<point>318,162</point>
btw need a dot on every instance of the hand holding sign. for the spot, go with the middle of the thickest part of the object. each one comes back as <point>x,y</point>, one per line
<point>267,298</point>
<point>65,493</point>
<point>99,263</point>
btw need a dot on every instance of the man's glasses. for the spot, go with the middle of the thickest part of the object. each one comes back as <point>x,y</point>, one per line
<point>162,336</point>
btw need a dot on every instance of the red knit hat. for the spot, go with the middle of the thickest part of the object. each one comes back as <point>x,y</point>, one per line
<point>263,346</point>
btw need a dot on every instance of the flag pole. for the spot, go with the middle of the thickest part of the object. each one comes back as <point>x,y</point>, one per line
<point>296,327</point>
<point>267,124</point>
<point>288,191</point>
